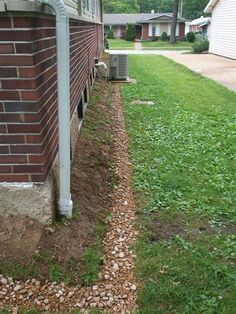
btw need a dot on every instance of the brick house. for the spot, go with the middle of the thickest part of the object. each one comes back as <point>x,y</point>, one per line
<point>147,25</point>
<point>29,96</point>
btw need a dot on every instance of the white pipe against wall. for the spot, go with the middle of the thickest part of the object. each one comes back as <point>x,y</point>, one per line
<point>63,85</point>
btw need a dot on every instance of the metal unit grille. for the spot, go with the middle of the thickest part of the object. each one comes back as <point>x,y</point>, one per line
<point>118,66</point>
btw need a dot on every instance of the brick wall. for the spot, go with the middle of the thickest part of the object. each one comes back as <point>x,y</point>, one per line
<point>145,31</point>
<point>181,30</point>
<point>28,91</point>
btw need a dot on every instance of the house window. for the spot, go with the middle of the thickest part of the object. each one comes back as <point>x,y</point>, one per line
<point>90,7</point>
<point>153,30</point>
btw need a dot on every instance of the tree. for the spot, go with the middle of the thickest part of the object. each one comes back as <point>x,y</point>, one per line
<point>193,9</point>
<point>130,33</point>
<point>157,5</point>
<point>121,6</point>
<point>174,22</point>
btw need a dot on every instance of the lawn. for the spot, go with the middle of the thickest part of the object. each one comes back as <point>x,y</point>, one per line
<point>163,45</point>
<point>120,44</point>
<point>183,152</point>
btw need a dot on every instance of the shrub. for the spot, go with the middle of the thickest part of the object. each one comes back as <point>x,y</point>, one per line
<point>164,36</point>
<point>110,34</point>
<point>130,33</point>
<point>106,43</point>
<point>154,38</point>
<point>200,46</point>
<point>191,37</point>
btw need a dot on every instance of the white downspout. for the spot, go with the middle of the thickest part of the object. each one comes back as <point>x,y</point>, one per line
<point>63,86</point>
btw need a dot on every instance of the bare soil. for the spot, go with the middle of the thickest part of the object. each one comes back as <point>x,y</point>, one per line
<point>163,231</point>
<point>21,238</point>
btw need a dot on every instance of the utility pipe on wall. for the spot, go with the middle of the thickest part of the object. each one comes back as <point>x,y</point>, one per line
<point>63,86</point>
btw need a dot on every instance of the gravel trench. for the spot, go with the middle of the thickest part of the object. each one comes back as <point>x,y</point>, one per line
<point>116,289</point>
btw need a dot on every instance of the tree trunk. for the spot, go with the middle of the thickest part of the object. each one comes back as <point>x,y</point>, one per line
<point>174,22</point>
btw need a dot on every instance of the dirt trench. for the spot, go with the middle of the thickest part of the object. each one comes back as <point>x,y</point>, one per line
<point>94,189</point>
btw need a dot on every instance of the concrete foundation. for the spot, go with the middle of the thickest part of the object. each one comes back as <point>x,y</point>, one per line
<point>34,200</point>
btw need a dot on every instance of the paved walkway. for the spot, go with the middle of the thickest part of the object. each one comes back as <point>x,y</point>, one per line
<point>138,45</point>
<point>148,52</point>
<point>219,69</point>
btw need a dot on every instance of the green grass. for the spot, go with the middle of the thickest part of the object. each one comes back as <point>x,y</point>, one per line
<point>183,155</point>
<point>120,44</point>
<point>162,45</point>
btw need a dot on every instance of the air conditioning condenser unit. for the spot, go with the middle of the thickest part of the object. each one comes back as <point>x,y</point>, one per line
<point>119,66</point>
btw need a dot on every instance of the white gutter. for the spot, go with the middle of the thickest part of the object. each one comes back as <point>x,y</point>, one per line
<point>63,86</point>
<point>210,6</point>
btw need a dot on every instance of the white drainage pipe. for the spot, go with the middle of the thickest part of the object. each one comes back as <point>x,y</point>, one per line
<point>63,86</point>
<point>101,64</point>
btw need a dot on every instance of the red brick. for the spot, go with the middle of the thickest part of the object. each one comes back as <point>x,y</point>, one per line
<point>33,22</point>
<point>38,178</point>
<point>27,72</point>
<point>6,48</point>
<point>28,169</point>
<point>19,84</point>
<point>182,30</point>
<point>34,139</point>
<point>21,106</point>
<point>16,60</point>
<point>3,128</point>
<point>32,72</point>
<point>9,95</point>
<point>24,128</point>
<point>5,22</point>
<point>16,159</point>
<point>4,149</point>
<point>14,178</point>
<point>26,149</point>
<point>36,46</point>
<point>12,139</point>
<point>44,55</point>
<point>25,35</point>
<point>8,72</point>
<point>36,159</point>
<point>30,95</point>
<point>5,169</point>
<point>10,117</point>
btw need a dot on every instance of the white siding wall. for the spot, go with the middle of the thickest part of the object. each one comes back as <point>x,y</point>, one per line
<point>223,29</point>
<point>93,13</point>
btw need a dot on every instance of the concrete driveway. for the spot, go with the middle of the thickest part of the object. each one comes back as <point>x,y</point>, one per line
<point>219,69</point>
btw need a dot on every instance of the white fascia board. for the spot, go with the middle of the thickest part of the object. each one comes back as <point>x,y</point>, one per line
<point>210,6</point>
<point>2,6</point>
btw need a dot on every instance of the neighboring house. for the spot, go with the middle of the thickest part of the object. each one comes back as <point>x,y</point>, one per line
<point>223,27</point>
<point>202,26</point>
<point>29,95</point>
<point>147,25</point>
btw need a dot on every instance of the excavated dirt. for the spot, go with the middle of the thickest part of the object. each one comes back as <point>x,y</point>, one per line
<point>92,177</point>
<point>116,289</point>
